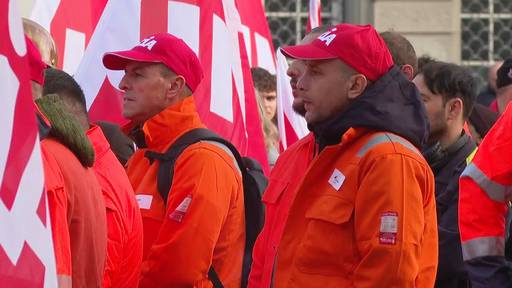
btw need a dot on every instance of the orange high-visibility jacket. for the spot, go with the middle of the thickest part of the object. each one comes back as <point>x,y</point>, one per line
<point>202,224</point>
<point>124,222</point>
<point>484,191</point>
<point>363,216</point>
<point>278,197</point>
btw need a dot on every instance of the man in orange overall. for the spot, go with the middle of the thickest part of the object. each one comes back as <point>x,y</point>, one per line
<point>364,213</point>
<point>202,223</point>
<point>281,191</point>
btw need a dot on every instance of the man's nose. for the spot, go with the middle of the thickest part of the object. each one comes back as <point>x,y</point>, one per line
<point>123,85</point>
<point>301,82</point>
<point>292,70</point>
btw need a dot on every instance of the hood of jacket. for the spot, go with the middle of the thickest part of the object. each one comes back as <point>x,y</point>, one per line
<point>66,129</point>
<point>391,104</point>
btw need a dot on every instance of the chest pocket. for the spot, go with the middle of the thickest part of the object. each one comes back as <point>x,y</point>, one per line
<point>327,246</point>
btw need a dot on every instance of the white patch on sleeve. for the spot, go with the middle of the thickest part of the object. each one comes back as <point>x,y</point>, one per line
<point>388,228</point>
<point>179,213</point>
<point>144,201</point>
<point>337,179</point>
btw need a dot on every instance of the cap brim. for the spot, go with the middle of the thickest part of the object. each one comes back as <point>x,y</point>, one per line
<point>119,59</point>
<point>307,52</point>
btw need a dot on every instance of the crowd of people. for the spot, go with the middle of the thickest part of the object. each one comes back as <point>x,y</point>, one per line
<point>403,181</point>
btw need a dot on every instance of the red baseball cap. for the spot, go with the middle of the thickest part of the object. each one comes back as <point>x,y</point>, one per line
<point>35,62</point>
<point>361,47</point>
<point>160,48</point>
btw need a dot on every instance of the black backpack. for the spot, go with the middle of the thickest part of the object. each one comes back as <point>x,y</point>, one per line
<point>254,184</point>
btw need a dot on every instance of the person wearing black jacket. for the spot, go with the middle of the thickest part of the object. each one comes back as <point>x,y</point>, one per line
<point>448,92</point>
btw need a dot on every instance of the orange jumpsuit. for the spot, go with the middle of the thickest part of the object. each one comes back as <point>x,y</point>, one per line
<point>291,165</point>
<point>124,222</point>
<point>202,224</point>
<point>364,216</point>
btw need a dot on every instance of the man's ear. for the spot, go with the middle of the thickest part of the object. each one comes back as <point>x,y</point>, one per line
<point>357,84</point>
<point>454,109</point>
<point>175,87</point>
<point>408,71</point>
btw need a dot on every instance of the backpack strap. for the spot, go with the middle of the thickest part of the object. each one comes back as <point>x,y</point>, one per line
<point>166,174</point>
<point>168,159</point>
<point>214,278</point>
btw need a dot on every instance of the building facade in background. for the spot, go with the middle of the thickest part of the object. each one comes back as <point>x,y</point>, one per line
<point>476,33</point>
<point>486,33</point>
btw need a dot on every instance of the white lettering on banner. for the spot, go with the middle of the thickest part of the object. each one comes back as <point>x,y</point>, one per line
<point>226,65</point>
<point>44,11</point>
<point>264,53</point>
<point>21,226</point>
<point>23,210</point>
<point>246,31</point>
<point>15,30</point>
<point>73,50</point>
<point>234,26</point>
<point>91,72</point>
<point>183,22</point>
<point>144,201</point>
<point>222,82</point>
<point>148,43</point>
<point>25,230</point>
<point>327,37</point>
<point>10,85</point>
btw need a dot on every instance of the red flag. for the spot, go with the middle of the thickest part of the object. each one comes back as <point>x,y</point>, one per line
<point>258,40</point>
<point>314,14</point>
<point>26,249</point>
<point>228,36</point>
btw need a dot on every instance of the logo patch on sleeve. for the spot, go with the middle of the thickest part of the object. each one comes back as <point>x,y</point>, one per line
<point>337,179</point>
<point>144,201</point>
<point>179,213</point>
<point>388,228</point>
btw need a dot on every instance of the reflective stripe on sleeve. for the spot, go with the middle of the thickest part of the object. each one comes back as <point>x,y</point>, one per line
<point>386,138</point>
<point>483,246</point>
<point>494,190</point>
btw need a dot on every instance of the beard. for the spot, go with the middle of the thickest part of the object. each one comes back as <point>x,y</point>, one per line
<point>437,130</point>
<point>298,107</point>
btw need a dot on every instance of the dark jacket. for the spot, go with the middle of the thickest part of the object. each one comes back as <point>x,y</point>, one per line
<point>482,119</point>
<point>450,272</point>
<point>122,146</point>
<point>390,104</point>
<point>486,96</point>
